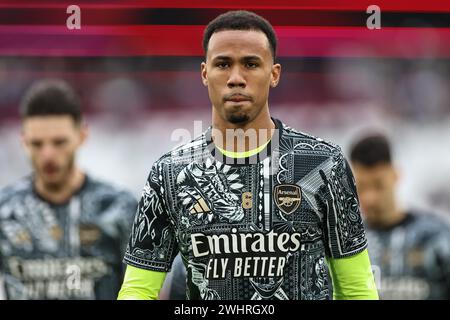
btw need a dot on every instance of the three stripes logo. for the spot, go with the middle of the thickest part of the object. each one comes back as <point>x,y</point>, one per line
<point>200,207</point>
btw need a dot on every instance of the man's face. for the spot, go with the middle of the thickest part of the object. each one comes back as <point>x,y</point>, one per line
<point>238,72</point>
<point>376,191</point>
<point>51,143</point>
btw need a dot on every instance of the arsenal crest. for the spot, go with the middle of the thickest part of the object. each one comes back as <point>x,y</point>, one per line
<point>287,197</point>
<point>89,234</point>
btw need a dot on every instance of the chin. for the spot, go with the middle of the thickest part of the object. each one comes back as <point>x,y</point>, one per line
<point>238,116</point>
<point>53,183</point>
<point>238,119</point>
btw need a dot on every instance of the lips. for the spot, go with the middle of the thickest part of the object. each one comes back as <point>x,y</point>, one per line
<point>50,169</point>
<point>238,98</point>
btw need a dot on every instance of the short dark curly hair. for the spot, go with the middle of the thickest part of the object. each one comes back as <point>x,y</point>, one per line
<point>240,20</point>
<point>51,97</point>
<point>371,150</point>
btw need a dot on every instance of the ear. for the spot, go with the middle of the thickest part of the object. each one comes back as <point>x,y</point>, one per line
<point>397,174</point>
<point>24,142</point>
<point>204,74</point>
<point>275,75</point>
<point>84,132</point>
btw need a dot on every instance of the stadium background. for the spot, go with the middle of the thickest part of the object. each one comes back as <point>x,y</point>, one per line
<point>136,65</point>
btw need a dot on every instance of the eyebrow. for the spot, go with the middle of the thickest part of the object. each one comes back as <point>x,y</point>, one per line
<point>246,58</point>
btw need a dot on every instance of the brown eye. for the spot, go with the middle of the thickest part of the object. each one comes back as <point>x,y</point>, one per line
<point>60,142</point>
<point>36,144</point>
<point>222,65</point>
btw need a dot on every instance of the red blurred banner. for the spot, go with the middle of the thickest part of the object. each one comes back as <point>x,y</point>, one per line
<point>320,28</point>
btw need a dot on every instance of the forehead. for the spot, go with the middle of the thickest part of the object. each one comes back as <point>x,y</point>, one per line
<point>48,126</point>
<point>379,171</point>
<point>238,43</point>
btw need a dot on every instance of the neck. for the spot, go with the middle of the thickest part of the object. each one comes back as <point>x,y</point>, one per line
<point>64,191</point>
<point>242,137</point>
<point>392,219</point>
<point>395,218</point>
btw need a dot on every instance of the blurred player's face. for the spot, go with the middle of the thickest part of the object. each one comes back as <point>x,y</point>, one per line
<point>376,191</point>
<point>51,143</point>
<point>238,72</point>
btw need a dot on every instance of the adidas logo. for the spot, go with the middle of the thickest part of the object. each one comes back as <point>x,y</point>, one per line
<point>200,207</point>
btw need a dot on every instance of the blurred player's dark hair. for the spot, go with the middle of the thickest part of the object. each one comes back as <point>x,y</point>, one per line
<point>371,150</point>
<point>51,97</point>
<point>240,20</point>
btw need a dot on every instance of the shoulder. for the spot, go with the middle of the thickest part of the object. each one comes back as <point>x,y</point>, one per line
<point>429,223</point>
<point>302,141</point>
<point>16,195</point>
<point>107,190</point>
<point>184,153</point>
<point>432,232</point>
<point>21,187</point>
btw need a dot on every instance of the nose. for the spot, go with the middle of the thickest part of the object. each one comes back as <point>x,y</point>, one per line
<point>236,79</point>
<point>368,198</point>
<point>47,152</point>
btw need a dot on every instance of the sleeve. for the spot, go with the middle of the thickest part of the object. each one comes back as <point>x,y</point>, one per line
<point>441,248</point>
<point>2,240</point>
<point>2,288</point>
<point>127,205</point>
<point>152,244</point>
<point>344,233</point>
<point>2,280</point>
<point>141,284</point>
<point>178,285</point>
<point>352,278</point>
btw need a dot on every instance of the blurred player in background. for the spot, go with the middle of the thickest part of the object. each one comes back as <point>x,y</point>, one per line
<point>174,287</point>
<point>264,221</point>
<point>410,249</point>
<point>62,232</point>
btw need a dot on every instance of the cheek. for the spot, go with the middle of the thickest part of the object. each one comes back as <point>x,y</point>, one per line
<point>364,197</point>
<point>66,154</point>
<point>378,193</point>
<point>214,97</point>
<point>263,85</point>
<point>369,196</point>
<point>36,155</point>
<point>35,158</point>
<point>213,89</point>
<point>66,161</point>
<point>217,79</point>
<point>389,193</point>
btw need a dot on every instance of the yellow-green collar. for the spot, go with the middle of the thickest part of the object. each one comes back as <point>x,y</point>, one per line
<point>244,154</point>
